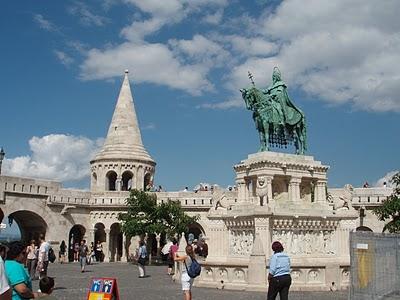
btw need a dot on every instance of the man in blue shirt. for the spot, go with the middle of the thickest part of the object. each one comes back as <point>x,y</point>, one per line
<point>279,273</point>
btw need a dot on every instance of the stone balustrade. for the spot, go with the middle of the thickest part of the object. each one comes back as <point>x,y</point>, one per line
<point>370,196</point>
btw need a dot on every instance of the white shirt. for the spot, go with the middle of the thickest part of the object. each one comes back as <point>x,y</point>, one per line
<point>4,287</point>
<point>44,249</point>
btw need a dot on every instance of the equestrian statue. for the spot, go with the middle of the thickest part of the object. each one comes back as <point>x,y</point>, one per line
<point>278,121</point>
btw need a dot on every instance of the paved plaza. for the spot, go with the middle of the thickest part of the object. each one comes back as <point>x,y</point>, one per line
<point>72,284</point>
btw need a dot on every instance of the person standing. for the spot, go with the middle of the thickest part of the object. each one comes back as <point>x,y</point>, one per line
<point>279,273</point>
<point>63,249</point>
<point>83,252</point>
<point>186,280</point>
<point>43,259</point>
<point>16,273</point>
<point>32,259</point>
<point>99,251</point>
<point>76,251</point>
<point>141,259</point>
<point>172,250</point>
<point>5,290</point>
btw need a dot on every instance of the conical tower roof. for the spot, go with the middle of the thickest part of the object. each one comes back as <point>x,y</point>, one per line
<point>124,140</point>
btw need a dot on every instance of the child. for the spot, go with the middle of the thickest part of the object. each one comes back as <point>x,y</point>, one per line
<point>46,285</point>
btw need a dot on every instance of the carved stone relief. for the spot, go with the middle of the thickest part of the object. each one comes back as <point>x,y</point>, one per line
<point>241,242</point>
<point>238,275</point>
<point>306,242</point>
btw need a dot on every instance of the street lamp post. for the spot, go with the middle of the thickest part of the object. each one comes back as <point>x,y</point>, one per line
<point>2,154</point>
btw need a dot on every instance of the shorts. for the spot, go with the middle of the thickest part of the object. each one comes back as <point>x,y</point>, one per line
<point>187,282</point>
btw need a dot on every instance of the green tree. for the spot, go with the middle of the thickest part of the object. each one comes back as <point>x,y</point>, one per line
<point>144,215</point>
<point>390,208</point>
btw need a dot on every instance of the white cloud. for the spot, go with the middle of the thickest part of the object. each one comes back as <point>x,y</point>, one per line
<point>43,23</point>
<point>231,103</point>
<point>387,178</point>
<point>183,68</point>
<point>153,63</point>
<point>201,50</point>
<point>344,52</point>
<point>64,58</point>
<point>214,18</point>
<point>252,46</point>
<point>86,16</point>
<point>56,156</point>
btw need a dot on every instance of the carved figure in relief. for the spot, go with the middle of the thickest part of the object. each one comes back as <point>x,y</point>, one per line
<point>313,275</point>
<point>262,190</point>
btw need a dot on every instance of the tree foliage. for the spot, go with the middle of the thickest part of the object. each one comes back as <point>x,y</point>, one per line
<point>144,215</point>
<point>390,208</point>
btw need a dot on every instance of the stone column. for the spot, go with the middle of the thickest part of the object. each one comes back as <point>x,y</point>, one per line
<point>107,246</point>
<point>320,191</point>
<point>257,276</point>
<point>124,256</point>
<point>218,240</point>
<point>91,236</point>
<point>241,186</point>
<point>181,251</point>
<point>118,183</point>
<point>269,191</point>
<point>158,239</point>
<point>262,230</point>
<point>294,189</point>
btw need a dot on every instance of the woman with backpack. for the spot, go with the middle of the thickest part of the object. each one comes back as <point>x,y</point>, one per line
<point>141,259</point>
<point>186,280</point>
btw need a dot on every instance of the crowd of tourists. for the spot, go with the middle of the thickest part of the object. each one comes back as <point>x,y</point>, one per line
<point>20,264</point>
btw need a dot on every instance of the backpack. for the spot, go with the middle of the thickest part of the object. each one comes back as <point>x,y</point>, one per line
<point>194,269</point>
<point>52,256</point>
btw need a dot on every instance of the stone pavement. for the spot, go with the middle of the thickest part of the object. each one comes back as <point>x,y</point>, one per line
<point>73,285</point>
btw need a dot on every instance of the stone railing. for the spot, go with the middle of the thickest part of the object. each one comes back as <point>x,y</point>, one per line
<point>19,185</point>
<point>188,200</point>
<point>370,196</point>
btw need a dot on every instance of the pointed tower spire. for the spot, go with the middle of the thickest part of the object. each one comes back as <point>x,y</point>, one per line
<point>124,140</point>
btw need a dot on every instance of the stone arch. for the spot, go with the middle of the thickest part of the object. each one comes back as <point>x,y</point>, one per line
<point>31,224</point>
<point>94,179</point>
<point>99,235</point>
<point>127,181</point>
<point>111,181</point>
<point>147,179</point>
<point>115,242</point>
<point>196,229</point>
<point>364,228</point>
<point>76,234</point>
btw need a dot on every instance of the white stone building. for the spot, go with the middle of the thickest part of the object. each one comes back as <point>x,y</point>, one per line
<point>278,197</point>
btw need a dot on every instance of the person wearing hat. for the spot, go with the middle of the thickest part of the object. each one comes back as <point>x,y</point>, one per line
<point>279,273</point>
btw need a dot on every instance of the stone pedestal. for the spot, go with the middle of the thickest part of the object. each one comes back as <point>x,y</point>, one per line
<point>281,197</point>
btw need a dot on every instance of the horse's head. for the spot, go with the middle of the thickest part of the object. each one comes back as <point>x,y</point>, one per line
<point>250,97</point>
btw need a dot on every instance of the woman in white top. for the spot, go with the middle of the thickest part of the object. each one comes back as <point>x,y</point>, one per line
<point>187,282</point>
<point>32,258</point>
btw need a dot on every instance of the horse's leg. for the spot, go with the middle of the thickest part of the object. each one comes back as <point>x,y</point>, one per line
<point>266,131</point>
<point>299,143</point>
<point>262,140</point>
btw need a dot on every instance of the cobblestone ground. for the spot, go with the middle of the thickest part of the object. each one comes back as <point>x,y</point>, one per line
<point>72,284</point>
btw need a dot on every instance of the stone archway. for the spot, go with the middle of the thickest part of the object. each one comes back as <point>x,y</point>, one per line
<point>111,181</point>
<point>31,225</point>
<point>364,228</point>
<point>147,180</point>
<point>127,178</point>
<point>196,229</point>
<point>116,241</point>
<point>76,235</point>
<point>100,236</point>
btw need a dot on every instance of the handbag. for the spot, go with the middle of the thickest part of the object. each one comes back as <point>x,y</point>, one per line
<point>142,260</point>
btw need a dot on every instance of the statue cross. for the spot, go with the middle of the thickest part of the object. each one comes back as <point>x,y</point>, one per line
<point>251,78</point>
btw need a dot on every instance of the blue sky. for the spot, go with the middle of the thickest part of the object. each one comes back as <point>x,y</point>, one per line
<point>63,63</point>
